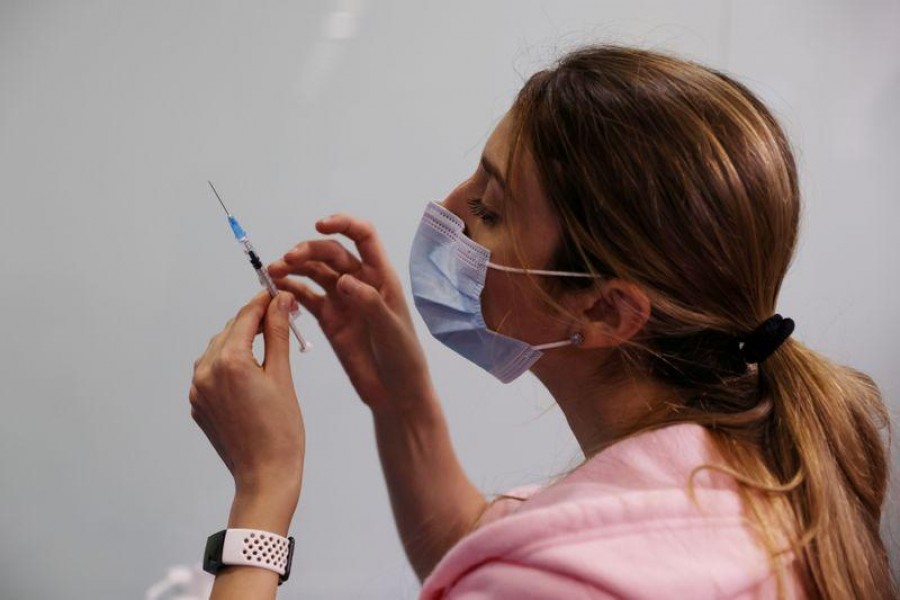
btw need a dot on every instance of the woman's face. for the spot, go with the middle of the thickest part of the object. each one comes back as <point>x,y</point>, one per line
<point>510,303</point>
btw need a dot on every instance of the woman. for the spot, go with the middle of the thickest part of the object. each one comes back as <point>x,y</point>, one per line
<point>624,237</point>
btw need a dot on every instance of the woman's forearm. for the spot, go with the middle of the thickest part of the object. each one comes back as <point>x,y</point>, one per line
<point>433,501</point>
<point>268,510</point>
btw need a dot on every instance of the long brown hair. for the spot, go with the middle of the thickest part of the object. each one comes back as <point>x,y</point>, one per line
<point>675,176</point>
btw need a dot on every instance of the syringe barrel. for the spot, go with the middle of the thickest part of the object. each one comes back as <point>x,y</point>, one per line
<point>266,280</point>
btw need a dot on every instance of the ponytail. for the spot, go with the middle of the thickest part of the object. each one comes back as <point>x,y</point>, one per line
<point>823,434</point>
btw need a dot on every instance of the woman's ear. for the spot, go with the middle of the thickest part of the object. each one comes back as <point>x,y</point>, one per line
<point>613,313</point>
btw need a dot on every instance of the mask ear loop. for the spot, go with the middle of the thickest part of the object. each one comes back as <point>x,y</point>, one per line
<point>575,340</point>
<point>542,272</point>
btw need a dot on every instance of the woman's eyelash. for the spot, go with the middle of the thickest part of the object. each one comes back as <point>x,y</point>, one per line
<point>478,209</point>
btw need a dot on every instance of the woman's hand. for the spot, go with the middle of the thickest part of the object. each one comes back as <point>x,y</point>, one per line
<point>362,313</point>
<point>250,411</point>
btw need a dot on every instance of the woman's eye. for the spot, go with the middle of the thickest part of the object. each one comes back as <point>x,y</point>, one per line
<point>479,210</point>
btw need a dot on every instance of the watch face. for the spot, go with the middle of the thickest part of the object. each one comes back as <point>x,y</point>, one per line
<point>290,559</point>
<point>212,557</point>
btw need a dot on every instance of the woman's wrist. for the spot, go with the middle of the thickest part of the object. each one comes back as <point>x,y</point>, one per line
<point>268,508</point>
<point>417,403</point>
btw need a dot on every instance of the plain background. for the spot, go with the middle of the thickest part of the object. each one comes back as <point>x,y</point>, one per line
<point>117,264</point>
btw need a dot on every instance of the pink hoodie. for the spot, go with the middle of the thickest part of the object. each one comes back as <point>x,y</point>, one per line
<point>622,525</point>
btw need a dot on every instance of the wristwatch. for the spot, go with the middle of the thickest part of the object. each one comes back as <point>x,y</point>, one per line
<point>249,547</point>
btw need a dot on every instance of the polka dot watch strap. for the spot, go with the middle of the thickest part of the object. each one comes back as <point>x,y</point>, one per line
<point>250,547</point>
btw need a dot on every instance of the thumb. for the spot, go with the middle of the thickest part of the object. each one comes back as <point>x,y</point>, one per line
<point>276,334</point>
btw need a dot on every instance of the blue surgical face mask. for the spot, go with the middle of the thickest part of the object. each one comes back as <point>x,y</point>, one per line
<point>448,271</point>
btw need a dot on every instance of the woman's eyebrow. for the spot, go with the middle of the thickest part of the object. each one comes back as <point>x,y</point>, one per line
<point>493,171</point>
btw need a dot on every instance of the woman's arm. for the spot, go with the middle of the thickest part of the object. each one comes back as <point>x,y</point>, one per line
<point>250,414</point>
<point>365,317</point>
<point>434,502</point>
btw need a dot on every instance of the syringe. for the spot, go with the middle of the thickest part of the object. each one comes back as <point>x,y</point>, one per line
<point>241,236</point>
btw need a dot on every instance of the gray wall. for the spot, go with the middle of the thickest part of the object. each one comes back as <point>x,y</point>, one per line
<point>117,265</point>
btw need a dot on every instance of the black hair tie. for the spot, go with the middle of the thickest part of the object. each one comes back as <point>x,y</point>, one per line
<point>760,343</point>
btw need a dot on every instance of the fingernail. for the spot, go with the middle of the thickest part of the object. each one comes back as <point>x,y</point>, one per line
<point>285,301</point>
<point>296,250</point>
<point>347,283</point>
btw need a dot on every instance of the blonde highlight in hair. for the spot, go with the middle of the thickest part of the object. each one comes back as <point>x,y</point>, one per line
<point>674,176</point>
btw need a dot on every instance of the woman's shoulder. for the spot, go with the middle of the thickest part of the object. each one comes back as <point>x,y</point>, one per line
<point>624,520</point>
<point>638,545</point>
<point>642,473</point>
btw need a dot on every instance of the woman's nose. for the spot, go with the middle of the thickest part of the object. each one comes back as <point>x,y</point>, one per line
<point>455,201</point>
<point>457,206</point>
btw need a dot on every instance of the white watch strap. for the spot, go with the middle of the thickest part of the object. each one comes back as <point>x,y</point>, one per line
<point>252,547</point>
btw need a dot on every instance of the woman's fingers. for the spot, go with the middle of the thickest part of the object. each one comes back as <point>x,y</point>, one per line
<point>319,272</point>
<point>364,297</point>
<point>248,321</point>
<point>322,274</point>
<point>329,252</point>
<point>310,300</point>
<point>363,235</point>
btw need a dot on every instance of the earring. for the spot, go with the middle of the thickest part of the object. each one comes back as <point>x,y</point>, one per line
<point>577,339</point>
